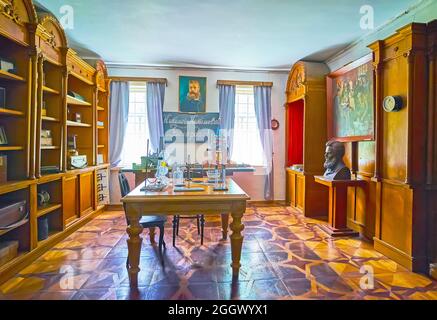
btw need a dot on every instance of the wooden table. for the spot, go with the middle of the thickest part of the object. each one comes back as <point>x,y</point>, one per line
<point>338,205</point>
<point>209,202</point>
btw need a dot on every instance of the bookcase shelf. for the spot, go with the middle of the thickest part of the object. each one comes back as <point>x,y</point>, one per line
<point>11,148</point>
<point>50,147</point>
<point>78,124</point>
<point>50,90</point>
<point>42,211</point>
<point>74,101</point>
<point>50,119</point>
<point>10,112</point>
<point>10,76</point>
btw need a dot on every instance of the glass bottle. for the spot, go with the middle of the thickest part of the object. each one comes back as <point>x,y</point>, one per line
<point>178,177</point>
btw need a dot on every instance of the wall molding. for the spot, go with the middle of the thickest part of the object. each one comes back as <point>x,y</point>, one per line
<point>114,65</point>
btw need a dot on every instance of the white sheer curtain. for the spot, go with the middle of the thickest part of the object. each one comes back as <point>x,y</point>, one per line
<point>119,111</point>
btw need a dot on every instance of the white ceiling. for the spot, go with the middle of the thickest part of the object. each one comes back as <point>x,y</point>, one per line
<point>251,34</point>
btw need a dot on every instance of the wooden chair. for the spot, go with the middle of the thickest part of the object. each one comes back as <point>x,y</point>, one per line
<point>200,219</point>
<point>150,222</point>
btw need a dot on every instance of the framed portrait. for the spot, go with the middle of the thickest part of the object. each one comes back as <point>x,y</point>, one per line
<point>350,93</point>
<point>192,94</point>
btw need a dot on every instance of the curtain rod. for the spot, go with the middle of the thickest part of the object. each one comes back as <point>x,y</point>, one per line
<point>141,79</point>
<point>244,83</point>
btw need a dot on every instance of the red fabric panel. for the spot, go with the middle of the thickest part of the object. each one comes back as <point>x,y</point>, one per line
<point>295,115</point>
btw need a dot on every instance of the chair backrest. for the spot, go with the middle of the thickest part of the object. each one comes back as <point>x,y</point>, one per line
<point>124,184</point>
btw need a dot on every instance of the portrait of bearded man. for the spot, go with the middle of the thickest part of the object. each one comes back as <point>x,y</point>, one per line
<point>192,101</point>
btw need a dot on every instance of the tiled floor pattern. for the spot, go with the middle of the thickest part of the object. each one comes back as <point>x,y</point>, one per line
<point>285,256</point>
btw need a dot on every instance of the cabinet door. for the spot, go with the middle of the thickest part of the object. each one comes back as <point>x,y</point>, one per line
<point>300,191</point>
<point>86,193</point>
<point>70,189</point>
<point>293,189</point>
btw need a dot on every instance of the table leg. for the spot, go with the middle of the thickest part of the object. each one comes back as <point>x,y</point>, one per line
<point>236,241</point>
<point>225,225</point>
<point>152,235</point>
<point>134,244</point>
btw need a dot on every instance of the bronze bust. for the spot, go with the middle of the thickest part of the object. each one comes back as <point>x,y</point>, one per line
<point>334,165</point>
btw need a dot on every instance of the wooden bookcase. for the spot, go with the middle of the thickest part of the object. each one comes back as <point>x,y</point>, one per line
<point>16,118</point>
<point>15,46</point>
<point>306,126</point>
<point>102,94</point>
<point>46,72</point>
<point>81,82</point>
<point>50,40</point>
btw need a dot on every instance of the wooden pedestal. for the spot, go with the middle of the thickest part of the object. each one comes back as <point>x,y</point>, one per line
<point>338,206</point>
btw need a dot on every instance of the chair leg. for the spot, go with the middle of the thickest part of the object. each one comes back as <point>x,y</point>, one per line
<point>198,224</point>
<point>202,228</point>
<point>177,225</point>
<point>175,221</point>
<point>161,238</point>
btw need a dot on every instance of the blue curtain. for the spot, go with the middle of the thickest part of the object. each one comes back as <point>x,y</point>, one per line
<point>119,113</point>
<point>155,107</point>
<point>263,110</point>
<point>227,113</point>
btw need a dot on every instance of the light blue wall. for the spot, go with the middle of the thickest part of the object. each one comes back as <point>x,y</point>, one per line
<point>424,12</point>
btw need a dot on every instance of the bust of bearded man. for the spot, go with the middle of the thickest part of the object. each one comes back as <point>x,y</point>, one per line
<point>334,165</point>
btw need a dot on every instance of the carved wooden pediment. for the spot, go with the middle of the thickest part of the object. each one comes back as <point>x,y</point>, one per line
<point>10,10</point>
<point>19,11</point>
<point>296,81</point>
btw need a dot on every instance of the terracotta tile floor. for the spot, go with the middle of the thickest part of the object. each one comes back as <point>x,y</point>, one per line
<point>284,257</point>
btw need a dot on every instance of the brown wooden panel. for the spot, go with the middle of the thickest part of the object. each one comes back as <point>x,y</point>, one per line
<point>351,208</point>
<point>300,191</point>
<point>70,199</point>
<point>316,198</point>
<point>396,216</point>
<point>86,192</point>
<point>293,189</point>
<point>366,158</point>
<point>395,124</point>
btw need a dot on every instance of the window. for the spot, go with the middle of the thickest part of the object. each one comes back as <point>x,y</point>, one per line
<point>137,131</point>
<point>247,146</point>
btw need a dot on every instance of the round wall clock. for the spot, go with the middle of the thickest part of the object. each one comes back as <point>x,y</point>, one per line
<point>392,103</point>
<point>275,124</point>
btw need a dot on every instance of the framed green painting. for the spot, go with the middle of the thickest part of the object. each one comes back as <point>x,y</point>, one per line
<point>350,93</point>
<point>192,94</point>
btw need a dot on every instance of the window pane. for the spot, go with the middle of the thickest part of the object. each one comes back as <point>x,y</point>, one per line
<point>247,146</point>
<point>137,131</point>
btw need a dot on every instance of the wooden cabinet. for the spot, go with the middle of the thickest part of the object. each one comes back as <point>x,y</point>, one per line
<point>306,137</point>
<point>86,192</point>
<point>401,147</point>
<point>70,198</point>
<point>431,163</point>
